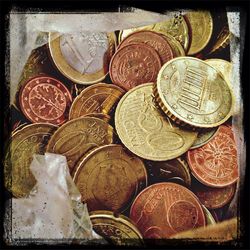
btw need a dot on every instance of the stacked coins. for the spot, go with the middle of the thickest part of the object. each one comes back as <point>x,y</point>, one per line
<point>144,125</point>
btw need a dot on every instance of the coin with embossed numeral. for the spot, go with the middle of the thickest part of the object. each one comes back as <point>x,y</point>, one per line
<point>31,139</point>
<point>215,163</point>
<point>145,131</point>
<point>118,230</point>
<point>83,57</point>
<point>76,137</point>
<point>98,98</point>
<point>191,92</point>
<point>109,178</point>
<point>164,209</point>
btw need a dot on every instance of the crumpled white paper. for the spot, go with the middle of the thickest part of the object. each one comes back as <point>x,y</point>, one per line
<point>53,211</point>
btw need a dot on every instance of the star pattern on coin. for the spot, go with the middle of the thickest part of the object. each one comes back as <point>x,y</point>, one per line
<point>190,117</point>
<point>174,106</point>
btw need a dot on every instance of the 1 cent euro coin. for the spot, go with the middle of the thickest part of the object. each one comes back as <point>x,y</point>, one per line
<point>31,139</point>
<point>145,131</point>
<point>98,98</point>
<point>133,65</point>
<point>82,57</point>
<point>119,230</point>
<point>45,99</point>
<point>164,209</point>
<point>193,93</point>
<point>76,137</point>
<point>215,164</point>
<point>109,178</point>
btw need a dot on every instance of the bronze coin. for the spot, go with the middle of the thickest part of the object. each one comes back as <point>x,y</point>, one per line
<point>215,163</point>
<point>109,178</point>
<point>45,99</point>
<point>133,65</point>
<point>164,209</point>
<point>154,39</point>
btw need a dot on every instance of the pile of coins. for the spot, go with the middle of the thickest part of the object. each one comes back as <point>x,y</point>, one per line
<point>149,143</point>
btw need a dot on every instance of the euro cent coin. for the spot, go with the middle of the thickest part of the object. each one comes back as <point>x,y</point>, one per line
<point>193,93</point>
<point>45,99</point>
<point>109,178</point>
<point>133,65</point>
<point>164,209</point>
<point>145,131</point>
<point>215,163</point>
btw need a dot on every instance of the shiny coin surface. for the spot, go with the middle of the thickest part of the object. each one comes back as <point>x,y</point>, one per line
<point>45,99</point>
<point>213,198</point>
<point>109,178</point>
<point>116,230</point>
<point>215,163</point>
<point>31,139</point>
<point>133,65</point>
<point>164,209</point>
<point>145,131</point>
<point>175,170</point>
<point>82,57</point>
<point>204,137</point>
<point>155,40</point>
<point>98,98</point>
<point>177,28</point>
<point>101,116</point>
<point>76,137</point>
<point>201,23</point>
<point>192,92</point>
<point>209,217</point>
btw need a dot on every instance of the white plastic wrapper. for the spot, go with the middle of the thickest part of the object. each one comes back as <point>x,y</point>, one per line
<point>53,211</point>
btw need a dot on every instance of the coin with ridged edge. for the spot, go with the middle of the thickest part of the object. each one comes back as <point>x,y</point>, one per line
<point>117,230</point>
<point>193,93</point>
<point>145,131</point>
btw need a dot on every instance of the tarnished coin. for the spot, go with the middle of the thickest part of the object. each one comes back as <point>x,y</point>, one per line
<point>201,23</point>
<point>145,131</point>
<point>204,136</point>
<point>192,92</point>
<point>133,65</point>
<point>98,98</point>
<point>45,99</point>
<point>164,209</point>
<point>223,66</point>
<point>31,139</point>
<point>155,40</point>
<point>213,198</point>
<point>175,170</point>
<point>116,230</point>
<point>177,28</point>
<point>215,163</point>
<point>101,116</point>
<point>209,217</point>
<point>76,137</point>
<point>109,178</point>
<point>82,57</point>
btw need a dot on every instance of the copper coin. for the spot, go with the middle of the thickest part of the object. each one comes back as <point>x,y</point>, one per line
<point>45,99</point>
<point>164,209</point>
<point>133,65</point>
<point>99,98</point>
<point>154,39</point>
<point>213,198</point>
<point>109,178</point>
<point>215,163</point>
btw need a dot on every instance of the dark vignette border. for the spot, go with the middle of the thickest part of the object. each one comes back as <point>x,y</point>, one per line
<point>73,6</point>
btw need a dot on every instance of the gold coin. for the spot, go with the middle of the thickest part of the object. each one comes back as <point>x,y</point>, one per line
<point>98,98</point>
<point>177,28</point>
<point>223,66</point>
<point>201,23</point>
<point>204,137</point>
<point>83,58</point>
<point>192,92</point>
<point>31,139</point>
<point>145,131</point>
<point>101,116</point>
<point>209,217</point>
<point>110,178</point>
<point>118,230</point>
<point>76,137</point>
